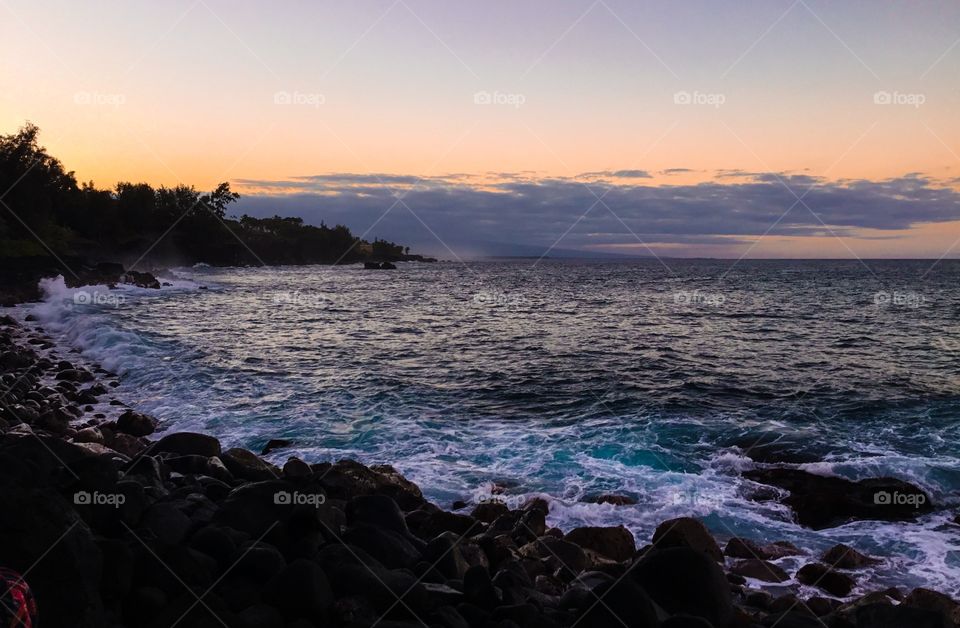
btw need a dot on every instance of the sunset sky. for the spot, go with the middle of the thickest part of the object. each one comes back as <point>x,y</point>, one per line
<point>772,128</point>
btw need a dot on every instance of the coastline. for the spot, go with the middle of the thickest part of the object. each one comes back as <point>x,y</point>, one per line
<point>336,533</point>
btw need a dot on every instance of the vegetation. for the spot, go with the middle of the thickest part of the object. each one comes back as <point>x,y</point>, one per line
<point>44,211</point>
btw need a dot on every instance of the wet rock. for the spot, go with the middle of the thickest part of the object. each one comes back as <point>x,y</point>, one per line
<point>845,557</point>
<point>825,578</point>
<point>136,423</point>
<point>823,502</point>
<point>745,548</point>
<point>188,443</point>
<point>274,444</point>
<point>616,543</point>
<point>933,601</point>
<point>296,469</point>
<point>759,570</point>
<point>488,511</point>
<point>684,580</point>
<point>687,532</point>
<point>686,621</point>
<point>610,498</point>
<point>247,465</point>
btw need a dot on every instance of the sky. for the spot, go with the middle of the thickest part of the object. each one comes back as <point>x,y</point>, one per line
<point>775,128</point>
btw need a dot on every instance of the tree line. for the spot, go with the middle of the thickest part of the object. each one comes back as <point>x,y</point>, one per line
<point>44,210</point>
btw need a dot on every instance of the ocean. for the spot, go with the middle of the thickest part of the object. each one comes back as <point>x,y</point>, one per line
<point>570,379</point>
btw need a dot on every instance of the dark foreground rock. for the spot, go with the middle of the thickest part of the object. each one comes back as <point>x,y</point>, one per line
<point>111,529</point>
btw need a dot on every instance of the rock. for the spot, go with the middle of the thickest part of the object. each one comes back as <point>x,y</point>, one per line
<point>247,465</point>
<point>933,601</point>
<point>389,547</point>
<point>258,561</point>
<point>745,548</point>
<point>166,522</point>
<point>300,590</point>
<point>619,603</point>
<point>824,578</point>
<point>886,616</point>
<point>609,498</point>
<point>444,554</point>
<point>388,266</point>
<point>188,443</point>
<point>441,521</point>
<point>823,502</point>
<point>89,435</point>
<point>759,570</point>
<point>488,511</point>
<point>75,375</point>
<point>136,424</point>
<point>296,469</point>
<point>561,554</point>
<point>684,580</point>
<point>259,616</point>
<point>845,557</point>
<point>216,543</point>
<point>822,606</point>
<point>275,443</point>
<point>141,280</point>
<point>42,536</point>
<point>376,510</point>
<point>616,543</point>
<point>479,590</point>
<point>346,479</point>
<point>687,532</point>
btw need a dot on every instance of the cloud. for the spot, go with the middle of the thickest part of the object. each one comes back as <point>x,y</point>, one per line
<point>525,209</point>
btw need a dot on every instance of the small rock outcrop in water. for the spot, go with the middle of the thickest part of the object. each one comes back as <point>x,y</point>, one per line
<point>822,502</point>
<point>111,529</point>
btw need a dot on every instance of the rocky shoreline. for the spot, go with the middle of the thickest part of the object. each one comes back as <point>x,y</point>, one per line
<point>114,521</point>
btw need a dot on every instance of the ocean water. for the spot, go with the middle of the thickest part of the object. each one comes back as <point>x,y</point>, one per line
<point>570,379</point>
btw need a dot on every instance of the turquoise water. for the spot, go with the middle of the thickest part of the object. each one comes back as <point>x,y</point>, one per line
<point>569,379</point>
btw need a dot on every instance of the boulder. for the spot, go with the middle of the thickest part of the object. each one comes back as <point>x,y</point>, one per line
<point>826,501</point>
<point>136,424</point>
<point>619,603</point>
<point>845,557</point>
<point>188,443</point>
<point>759,570</point>
<point>887,616</point>
<point>376,510</point>
<point>247,465</point>
<point>687,532</point>
<point>684,580</point>
<point>275,443</point>
<point>825,578</point>
<point>616,543</point>
<point>934,601</point>
<point>738,547</point>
